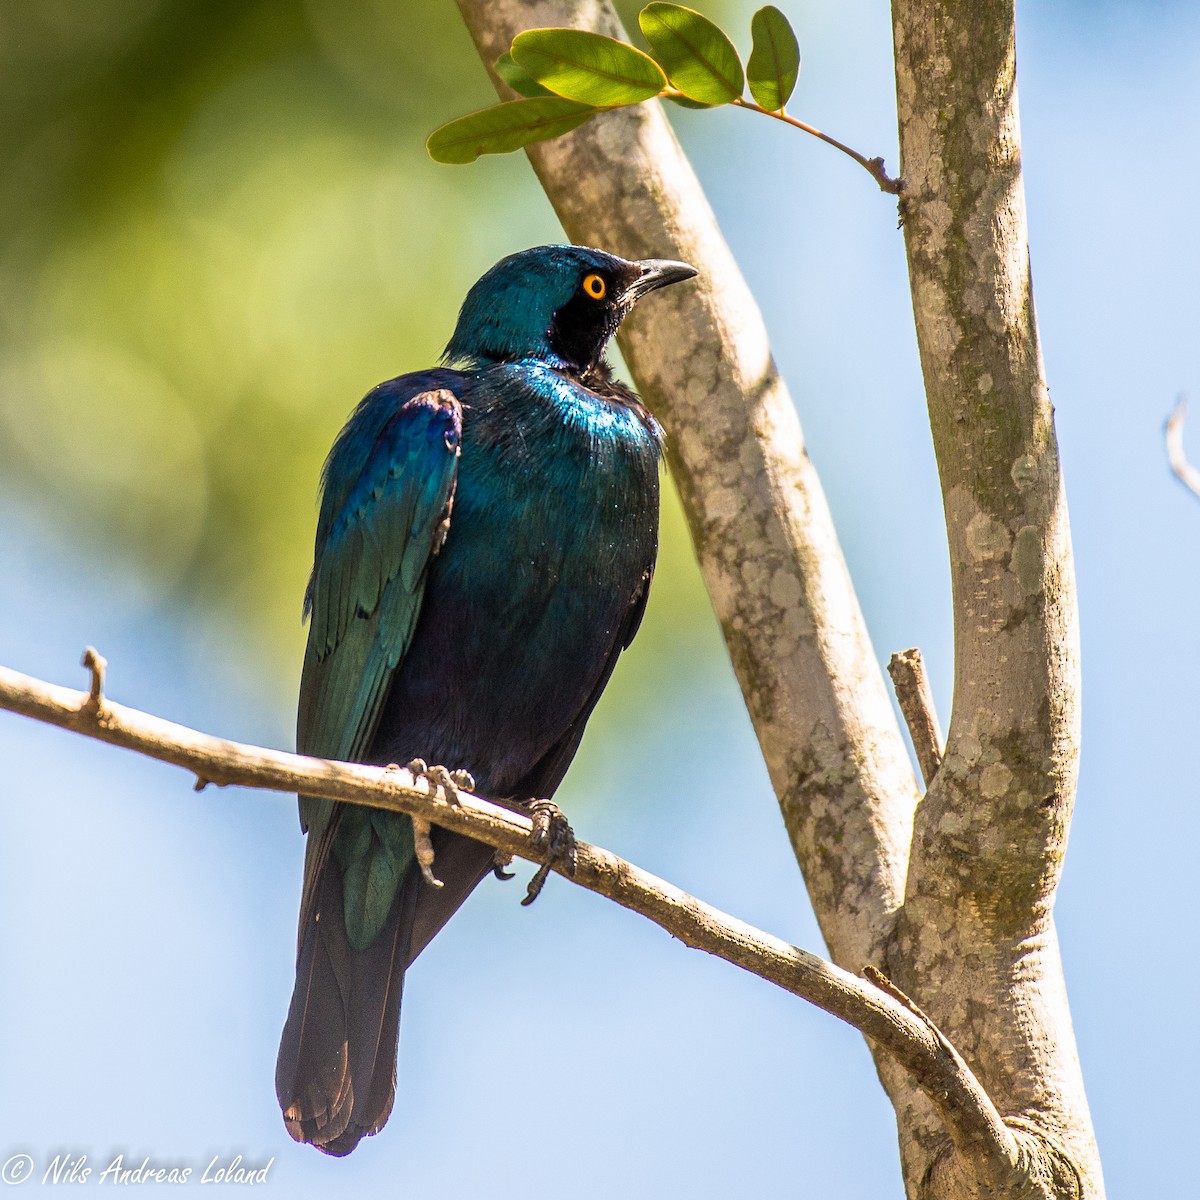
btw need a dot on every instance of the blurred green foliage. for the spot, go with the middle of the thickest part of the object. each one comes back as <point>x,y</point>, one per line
<point>218,229</point>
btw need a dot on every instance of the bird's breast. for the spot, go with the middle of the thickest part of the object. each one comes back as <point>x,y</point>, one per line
<point>552,538</point>
<point>558,488</point>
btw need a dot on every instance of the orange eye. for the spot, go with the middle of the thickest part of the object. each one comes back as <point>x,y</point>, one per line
<point>595,286</point>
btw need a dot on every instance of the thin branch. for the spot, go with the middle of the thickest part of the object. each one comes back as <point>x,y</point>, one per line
<point>873,166</point>
<point>911,681</point>
<point>1188,475</point>
<point>879,1012</point>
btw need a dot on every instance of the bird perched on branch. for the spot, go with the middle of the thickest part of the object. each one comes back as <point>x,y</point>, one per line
<point>486,539</point>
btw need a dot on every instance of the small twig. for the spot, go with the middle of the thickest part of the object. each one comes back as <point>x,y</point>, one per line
<point>873,166</point>
<point>911,682</point>
<point>95,662</point>
<point>881,981</point>
<point>970,1117</point>
<point>1188,475</point>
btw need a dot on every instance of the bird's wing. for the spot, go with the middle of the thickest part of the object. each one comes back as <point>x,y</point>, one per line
<point>387,493</point>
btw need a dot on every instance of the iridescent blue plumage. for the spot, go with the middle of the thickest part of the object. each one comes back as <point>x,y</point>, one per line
<point>484,550</point>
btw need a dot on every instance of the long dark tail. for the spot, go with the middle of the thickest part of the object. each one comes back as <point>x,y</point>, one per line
<point>336,1072</point>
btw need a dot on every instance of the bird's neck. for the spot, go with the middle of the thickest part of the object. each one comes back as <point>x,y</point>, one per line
<point>599,379</point>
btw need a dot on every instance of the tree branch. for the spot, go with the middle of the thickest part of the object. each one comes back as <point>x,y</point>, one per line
<point>873,166</point>
<point>975,939</point>
<point>1188,475</point>
<point>911,681</point>
<point>875,1008</point>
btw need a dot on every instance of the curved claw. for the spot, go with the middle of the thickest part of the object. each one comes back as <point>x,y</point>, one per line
<point>534,890</point>
<point>552,834</point>
<point>500,860</point>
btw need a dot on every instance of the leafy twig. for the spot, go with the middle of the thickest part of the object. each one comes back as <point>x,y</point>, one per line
<point>567,76</point>
<point>873,166</point>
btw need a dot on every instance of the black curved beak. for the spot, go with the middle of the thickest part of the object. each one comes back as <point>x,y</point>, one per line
<point>656,273</point>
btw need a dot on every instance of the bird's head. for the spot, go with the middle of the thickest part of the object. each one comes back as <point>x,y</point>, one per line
<point>560,304</point>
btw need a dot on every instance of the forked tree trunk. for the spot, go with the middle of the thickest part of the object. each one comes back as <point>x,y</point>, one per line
<point>950,896</point>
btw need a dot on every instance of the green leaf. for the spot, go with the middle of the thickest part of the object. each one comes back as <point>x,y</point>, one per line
<point>588,67</point>
<point>507,69</point>
<point>684,102</point>
<point>774,64</point>
<point>505,127</point>
<point>697,57</point>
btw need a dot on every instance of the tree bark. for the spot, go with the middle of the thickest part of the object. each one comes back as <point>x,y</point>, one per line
<point>975,939</point>
<point>955,908</point>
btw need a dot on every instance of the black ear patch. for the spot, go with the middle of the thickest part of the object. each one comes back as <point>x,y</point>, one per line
<point>581,329</point>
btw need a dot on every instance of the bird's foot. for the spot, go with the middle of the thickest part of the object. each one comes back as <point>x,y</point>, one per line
<point>449,781</point>
<point>500,860</point>
<point>552,835</point>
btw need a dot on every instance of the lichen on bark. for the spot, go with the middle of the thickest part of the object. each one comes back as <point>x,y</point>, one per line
<point>975,937</point>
